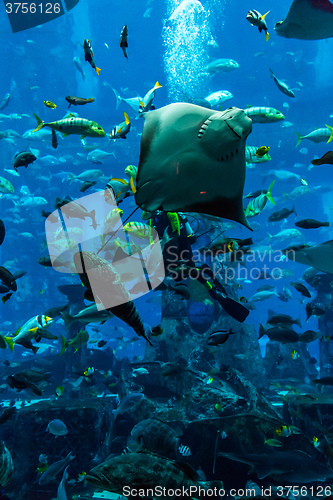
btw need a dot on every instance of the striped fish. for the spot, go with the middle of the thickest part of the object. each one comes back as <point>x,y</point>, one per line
<point>261,114</point>
<point>6,465</point>
<point>72,125</point>
<point>318,135</point>
<point>140,230</point>
<point>256,205</point>
<point>184,451</point>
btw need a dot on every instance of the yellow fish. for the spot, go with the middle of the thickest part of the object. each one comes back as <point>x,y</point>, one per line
<point>295,354</point>
<point>50,104</point>
<point>59,390</point>
<point>315,441</point>
<point>174,222</point>
<point>262,151</point>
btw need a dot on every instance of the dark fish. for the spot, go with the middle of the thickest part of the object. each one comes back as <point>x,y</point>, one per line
<point>283,297</point>
<point>23,159</point>
<point>6,465</point>
<point>311,224</point>
<point>78,101</point>
<point>52,218</point>
<point>32,375</point>
<point>281,214</point>
<point>265,288</point>
<point>86,185</point>
<point>145,471</point>
<point>301,289</point>
<point>2,232</point>
<point>323,381</point>
<point>123,40</point>
<point>309,336</point>
<point>220,337</point>
<point>279,334</point>
<point>256,193</point>
<point>6,414</point>
<point>326,159</point>
<point>6,297</point>
<point>55,311</point>
<point>313,310</point>
<point>283,319</point>
<point>43,333</point>
<point>89,55</point>
<point>45,261</point>
<point>155,436</point>
<point>283,87</point>
<point>19,274</point>
<point>28,379</point>
<point>101,343</point>
<point>27,344</point>
<point>8,279</point>
<point>54,140</point>
<point>5,101</point>
<point>171,368</point>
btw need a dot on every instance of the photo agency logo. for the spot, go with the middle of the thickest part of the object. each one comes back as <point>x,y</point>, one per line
<point>25,15</point>
<point>228,265</point>
<point>115,263</point>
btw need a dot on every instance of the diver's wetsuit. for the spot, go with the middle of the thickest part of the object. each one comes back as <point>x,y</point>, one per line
<point>179,247</point>
<point>178,256</point>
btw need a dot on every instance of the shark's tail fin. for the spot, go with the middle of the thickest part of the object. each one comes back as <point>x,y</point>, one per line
<point>331,136</point>
<point>299,139</point>
<point>269,193</point>
<point>40,123</point>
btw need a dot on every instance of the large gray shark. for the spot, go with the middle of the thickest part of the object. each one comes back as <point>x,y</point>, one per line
<point>318,256</point>
<point>193,160</point>
<point>307,20</point>
<point>289,466</point>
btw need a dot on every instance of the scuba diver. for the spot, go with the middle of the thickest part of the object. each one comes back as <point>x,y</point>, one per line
<point>180,264</point>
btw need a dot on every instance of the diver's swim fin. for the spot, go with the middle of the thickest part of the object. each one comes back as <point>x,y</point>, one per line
<point>232,307</point>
